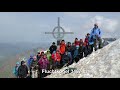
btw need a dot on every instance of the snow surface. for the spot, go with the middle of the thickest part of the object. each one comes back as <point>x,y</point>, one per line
<point>104,63</point>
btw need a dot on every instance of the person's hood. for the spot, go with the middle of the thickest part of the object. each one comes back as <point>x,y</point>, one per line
<point>22,62</point>
<point>17,63</point>
<point>48,50</point>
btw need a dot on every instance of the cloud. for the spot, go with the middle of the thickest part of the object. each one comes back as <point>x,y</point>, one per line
<point>107,24</point>
<point>32,26</point>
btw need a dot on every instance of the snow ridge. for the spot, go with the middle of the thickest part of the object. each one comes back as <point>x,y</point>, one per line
<point>104,63</point>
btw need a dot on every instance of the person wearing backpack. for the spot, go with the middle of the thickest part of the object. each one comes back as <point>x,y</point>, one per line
<point>96,35</point>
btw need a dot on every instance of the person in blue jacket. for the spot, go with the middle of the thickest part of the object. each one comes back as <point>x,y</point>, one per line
<point>29,61</point>
<point>95,36</point>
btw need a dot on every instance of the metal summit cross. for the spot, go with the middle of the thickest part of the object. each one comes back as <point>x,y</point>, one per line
<point>58,32</point>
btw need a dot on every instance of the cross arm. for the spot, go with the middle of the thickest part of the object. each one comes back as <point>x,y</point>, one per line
<point>59,32</point>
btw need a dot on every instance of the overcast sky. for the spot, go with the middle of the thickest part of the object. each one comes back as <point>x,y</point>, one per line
<point>31,26</point>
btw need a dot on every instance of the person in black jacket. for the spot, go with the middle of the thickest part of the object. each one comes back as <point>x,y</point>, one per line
<point>81,51</point>
<point>73,48</point>
<point>23,70</point>
<point>38,56</point>
<point>69,47</point>
<point>53,47</point>
<point>85,49</point>
<point>66,59</point>
<point>69,50</point>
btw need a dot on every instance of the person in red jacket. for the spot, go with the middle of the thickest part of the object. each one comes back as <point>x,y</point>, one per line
<point>87,39</point>
<point>56,57</point>
<point>62,47</point>
<point>62,50</point>
<point>87,43</point>
<point>77,43</point>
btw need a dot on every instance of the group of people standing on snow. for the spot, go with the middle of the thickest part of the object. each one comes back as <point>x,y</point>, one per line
<point>56,58</point>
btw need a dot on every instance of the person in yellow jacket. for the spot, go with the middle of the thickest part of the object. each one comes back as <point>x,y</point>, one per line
<point>48,54</point>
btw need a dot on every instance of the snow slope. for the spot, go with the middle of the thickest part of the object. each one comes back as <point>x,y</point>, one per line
<point>104,63</point>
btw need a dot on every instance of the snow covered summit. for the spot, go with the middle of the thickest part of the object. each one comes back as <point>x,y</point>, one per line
<point>104,63</point>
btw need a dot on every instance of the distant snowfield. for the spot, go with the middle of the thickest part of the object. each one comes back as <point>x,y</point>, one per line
<point>104,63</point>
